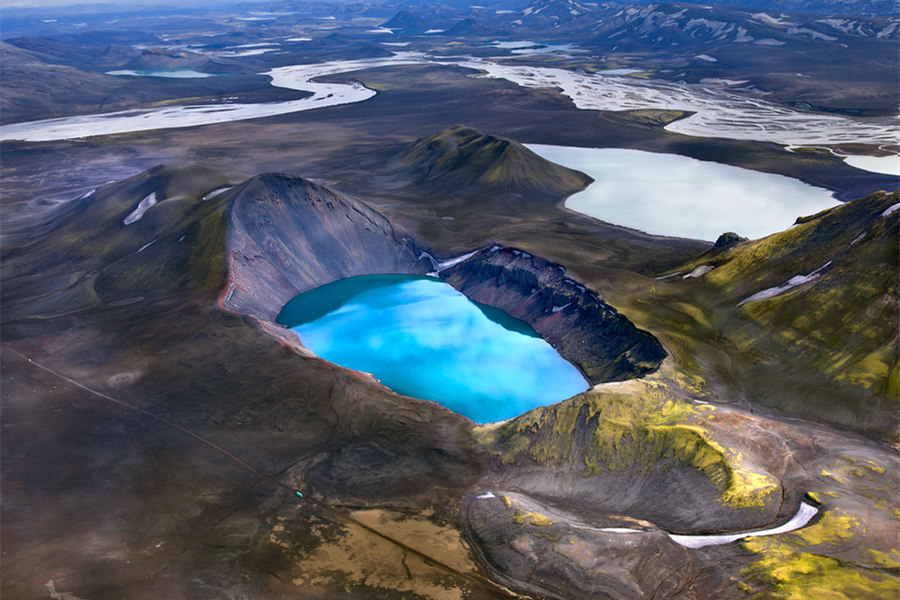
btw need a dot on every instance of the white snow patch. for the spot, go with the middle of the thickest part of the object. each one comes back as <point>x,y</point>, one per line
<point>434,31</point>
<point>888,31</point>
<point>780,289</point>
<point>87,194</point>
<point>769,42</point>
<point>216,192</point>
<point>890,210</point>
<point>804,515</point>
<point>811,33</point>
<point>707,58</point>
<point>145,246</point>
<point>698,272</point>
<point>720,81</point>
<point>298,39</point>
<point>556,309</point>
<point>486,495</point>
<point>142,207</point>
<point>620,530</point>
<point>494,248</point>
<point>769,19</point>
<point>446,264</point>
<point>667,276</point>
<point>742,36</point>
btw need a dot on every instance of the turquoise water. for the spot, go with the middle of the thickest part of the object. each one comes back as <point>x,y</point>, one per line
<point>422,338</point>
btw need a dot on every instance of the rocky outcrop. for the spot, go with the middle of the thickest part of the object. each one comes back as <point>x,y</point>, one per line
<point>605,345</point>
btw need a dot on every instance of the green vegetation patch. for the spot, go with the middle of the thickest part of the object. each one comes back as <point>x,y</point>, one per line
<point>792,566</point>
<point>639,427</point>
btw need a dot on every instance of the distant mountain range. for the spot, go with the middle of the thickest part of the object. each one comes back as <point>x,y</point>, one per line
<point>661,25</point>
<point>875,8</point>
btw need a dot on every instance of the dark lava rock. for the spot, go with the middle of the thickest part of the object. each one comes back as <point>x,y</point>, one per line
<point>727,240</point>
<point>605,345</point>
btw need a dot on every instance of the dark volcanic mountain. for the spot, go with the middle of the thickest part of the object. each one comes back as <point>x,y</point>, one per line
<point>461,157</point>
<point>469,28</point>
<point>406,22</point>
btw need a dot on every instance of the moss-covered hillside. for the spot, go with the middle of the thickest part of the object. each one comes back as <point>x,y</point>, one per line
<point>805,320</point>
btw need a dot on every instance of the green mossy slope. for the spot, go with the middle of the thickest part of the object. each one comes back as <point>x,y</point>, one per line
<point>636,428</point>
<point>805,319</point>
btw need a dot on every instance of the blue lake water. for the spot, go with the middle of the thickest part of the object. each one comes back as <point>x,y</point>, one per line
<point>422,338</point>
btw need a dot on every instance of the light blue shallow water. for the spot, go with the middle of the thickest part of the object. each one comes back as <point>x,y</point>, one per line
<point>422,338</point>
<point>668,194</point>
<point>170,73</point>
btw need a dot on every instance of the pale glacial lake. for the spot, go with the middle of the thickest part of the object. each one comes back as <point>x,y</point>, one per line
<point>168,73</point>
<point>422,338</point>
<point>672,195</point>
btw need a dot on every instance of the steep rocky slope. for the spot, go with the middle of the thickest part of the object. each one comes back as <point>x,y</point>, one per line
<point>585,329</point>
<point>313,236</point>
